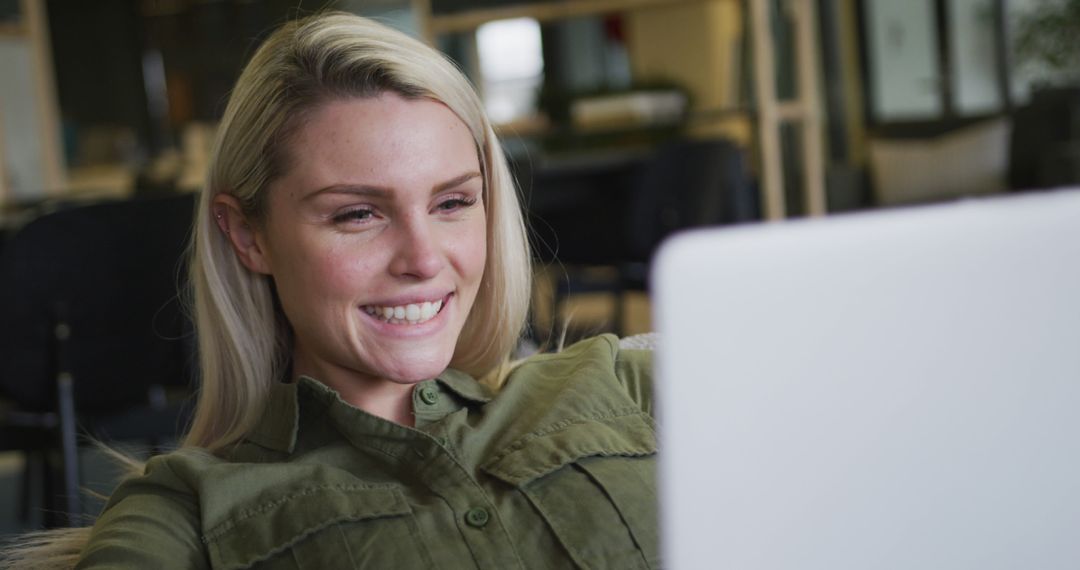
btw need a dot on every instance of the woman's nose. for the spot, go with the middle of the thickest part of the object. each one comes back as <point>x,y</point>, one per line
<point>417,252</point>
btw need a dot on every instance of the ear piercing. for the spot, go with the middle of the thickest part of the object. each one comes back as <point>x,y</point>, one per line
<point>221,224</point>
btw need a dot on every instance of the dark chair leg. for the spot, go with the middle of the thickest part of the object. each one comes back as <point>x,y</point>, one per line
<point>69,446</point>
<point>50,503</point>
<point>30,473</point>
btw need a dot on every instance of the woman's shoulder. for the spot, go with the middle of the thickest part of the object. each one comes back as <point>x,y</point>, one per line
<point>599,366</point>
<point>604,351</point>
<point>591,400</point>
<point>150,518</point>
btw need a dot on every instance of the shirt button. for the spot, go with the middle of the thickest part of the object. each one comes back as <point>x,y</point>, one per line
<point>429,395</point>
<point>477,517</point>
<point>441,441</point>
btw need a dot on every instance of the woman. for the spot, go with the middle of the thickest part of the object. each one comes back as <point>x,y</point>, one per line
<point>361,275</point>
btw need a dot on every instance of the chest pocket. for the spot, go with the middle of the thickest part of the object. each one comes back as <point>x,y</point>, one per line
<point>324,526</point>
<point>595,484</point>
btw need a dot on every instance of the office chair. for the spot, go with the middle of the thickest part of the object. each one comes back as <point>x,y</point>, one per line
<point>685,183</point>
<point>93,338</point>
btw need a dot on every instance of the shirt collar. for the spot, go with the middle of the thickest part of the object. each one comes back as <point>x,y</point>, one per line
<point>280,421</point>
<point>465,386</point>
<point>278,427</point>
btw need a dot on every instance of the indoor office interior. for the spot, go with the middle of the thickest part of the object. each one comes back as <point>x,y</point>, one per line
<point>624,121</point>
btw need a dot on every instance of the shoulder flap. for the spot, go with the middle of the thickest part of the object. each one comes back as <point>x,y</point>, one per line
<point>537,454</point>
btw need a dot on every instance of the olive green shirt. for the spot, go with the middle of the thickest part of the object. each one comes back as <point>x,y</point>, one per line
<point>556,471</point>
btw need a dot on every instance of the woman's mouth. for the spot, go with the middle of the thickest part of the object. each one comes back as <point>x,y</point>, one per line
<point>410,314</point>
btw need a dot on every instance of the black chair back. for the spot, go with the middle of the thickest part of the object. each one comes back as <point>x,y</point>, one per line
<point>92,335</point>
<point>616,213</point>
<point>111,271</point>
<point>689,183</point>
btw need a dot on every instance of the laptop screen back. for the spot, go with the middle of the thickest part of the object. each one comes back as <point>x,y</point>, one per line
<point>889,390</point>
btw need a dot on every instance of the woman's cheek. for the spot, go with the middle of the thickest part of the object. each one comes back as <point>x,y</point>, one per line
<point>343,278</point>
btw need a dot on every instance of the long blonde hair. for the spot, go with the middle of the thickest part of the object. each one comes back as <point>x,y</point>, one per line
<point>243,339</point>
<point>244,343</point>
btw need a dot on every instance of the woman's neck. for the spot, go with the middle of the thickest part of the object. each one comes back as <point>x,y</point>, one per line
<point>386,399</point>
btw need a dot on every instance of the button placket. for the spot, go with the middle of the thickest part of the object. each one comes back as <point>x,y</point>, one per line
<point>424,450</point>
<point>479,522</point>
<point>477,517</point>
<point>429,395</point>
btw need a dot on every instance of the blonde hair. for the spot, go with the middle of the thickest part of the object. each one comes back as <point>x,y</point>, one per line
<point>244,342</point>
<point>243,339</point>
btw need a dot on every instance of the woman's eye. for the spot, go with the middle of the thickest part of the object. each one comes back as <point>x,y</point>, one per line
<point>455,204</point>
<point>357,215</point>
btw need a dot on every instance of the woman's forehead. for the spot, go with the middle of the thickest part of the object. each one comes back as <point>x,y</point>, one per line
<point>385,141</point>
<point>386,117</point>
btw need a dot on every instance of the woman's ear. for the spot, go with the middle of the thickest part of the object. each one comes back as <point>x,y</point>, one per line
<point>245,240</point>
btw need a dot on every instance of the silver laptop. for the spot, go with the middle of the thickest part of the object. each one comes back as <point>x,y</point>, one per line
<point>898,389</point>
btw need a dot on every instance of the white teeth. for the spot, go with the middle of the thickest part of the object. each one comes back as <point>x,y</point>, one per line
<point>413,313</point>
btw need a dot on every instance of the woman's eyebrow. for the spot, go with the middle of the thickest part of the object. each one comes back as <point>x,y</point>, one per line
<point>382,192</point>
<point>456,181</point>
<point>358,189</point>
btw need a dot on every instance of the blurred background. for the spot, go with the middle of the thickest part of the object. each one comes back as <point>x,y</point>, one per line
<point>624,120</point>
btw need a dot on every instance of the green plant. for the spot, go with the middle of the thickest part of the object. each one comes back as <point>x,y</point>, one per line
<point>1048,36</point>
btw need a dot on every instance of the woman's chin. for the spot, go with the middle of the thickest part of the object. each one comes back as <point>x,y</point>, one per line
<point>416,372</point>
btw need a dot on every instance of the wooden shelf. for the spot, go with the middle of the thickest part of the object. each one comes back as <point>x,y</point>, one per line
<point>541,11</point>
<point>768,112</point>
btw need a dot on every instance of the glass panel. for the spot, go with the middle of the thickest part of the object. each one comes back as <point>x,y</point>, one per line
<point>904,70</point>
<point>975,80</point>
<point>512,65</point>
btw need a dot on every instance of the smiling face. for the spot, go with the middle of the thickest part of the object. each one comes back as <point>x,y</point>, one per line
<point>375,239</point>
